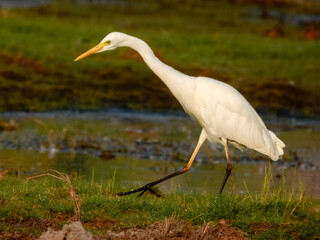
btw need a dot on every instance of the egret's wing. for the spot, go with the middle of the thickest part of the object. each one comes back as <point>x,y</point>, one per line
<point>227,114</point>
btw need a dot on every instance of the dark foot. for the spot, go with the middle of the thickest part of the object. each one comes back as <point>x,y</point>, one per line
<point>143,189</point>
<point>226,176</point>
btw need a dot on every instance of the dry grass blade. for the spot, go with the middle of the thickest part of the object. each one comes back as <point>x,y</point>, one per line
<point>223,231</point>
<point>4,173</point>
<point>75,197</point>
<point>204,231</point>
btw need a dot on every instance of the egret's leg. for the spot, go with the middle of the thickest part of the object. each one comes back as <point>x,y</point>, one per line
<point>148,186</point>
<point>228,169</point>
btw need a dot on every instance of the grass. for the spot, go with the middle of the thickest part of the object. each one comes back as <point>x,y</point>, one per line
<point>270,214</point>
<point>212,39</point>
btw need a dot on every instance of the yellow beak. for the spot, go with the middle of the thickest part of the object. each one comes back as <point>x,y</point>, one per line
<point>90,51</point>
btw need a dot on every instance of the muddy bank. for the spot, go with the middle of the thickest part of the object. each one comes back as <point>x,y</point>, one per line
<point>168,229</point>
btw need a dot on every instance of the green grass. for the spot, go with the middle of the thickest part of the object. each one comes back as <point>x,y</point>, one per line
<point>39,45</point>
<point>284,214</point>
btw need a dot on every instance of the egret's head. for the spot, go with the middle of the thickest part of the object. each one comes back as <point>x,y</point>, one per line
<point>109,42</point>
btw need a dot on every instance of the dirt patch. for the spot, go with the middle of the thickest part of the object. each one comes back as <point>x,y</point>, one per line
<point>30,225</point>
<point>71,231</point>
<point>17,235</point>
<point>178,230</point>
<point>168,229</point>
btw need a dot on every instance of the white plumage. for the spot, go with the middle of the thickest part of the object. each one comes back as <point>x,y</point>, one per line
<point>224,114</point>
<point>232,118</point>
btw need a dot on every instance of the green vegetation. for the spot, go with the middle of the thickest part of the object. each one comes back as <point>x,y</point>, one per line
<point>271,63</point>
<point>271,214</point>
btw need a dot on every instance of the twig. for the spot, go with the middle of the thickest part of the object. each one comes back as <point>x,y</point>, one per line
<point>64,177</point>
<point>204,231</point>
<point>4,173</point>
<point>47,174</point>
<point>190,220</point>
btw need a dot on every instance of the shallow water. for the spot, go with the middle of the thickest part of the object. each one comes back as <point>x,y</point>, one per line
<point>142,147</point>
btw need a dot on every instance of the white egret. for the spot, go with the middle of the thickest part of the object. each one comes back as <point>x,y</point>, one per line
<point>223,113</point>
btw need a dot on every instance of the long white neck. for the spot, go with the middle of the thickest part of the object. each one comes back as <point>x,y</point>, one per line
<point>171,77</point>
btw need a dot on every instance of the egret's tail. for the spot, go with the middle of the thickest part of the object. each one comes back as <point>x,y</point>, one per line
<point>279,145</point>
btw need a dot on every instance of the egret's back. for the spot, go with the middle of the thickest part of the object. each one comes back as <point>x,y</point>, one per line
<point>225,114</point>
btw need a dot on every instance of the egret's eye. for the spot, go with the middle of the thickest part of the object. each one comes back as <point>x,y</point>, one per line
<point>106,43</point>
